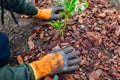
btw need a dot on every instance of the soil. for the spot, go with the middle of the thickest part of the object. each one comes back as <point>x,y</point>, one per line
<point>18,35</point>
<point>94,32</point>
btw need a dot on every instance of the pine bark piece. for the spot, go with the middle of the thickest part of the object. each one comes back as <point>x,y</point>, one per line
<point>31,45</point>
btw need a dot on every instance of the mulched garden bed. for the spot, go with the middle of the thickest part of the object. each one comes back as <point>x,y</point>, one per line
<point>94,32</point>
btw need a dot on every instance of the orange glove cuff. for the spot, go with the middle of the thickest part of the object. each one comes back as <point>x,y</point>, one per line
<point>49,64</point>
<point>44,14</point>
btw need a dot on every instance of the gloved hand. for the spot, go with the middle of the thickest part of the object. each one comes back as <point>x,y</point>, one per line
<point>58,61</point>
<point>49,14</point>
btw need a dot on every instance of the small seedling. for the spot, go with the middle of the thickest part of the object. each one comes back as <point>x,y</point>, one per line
<point>59,25</point>
<point>70,7</point>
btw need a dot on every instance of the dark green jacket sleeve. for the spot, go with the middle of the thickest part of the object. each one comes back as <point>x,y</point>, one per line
<point>22,7</point>
<point>21,72</point>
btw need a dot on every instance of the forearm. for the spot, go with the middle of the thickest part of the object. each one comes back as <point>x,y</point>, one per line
<point>21,72</point>
<point>22,7</point>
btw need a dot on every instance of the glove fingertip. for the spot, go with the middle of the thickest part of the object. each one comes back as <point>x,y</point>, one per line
<point>75,67</point>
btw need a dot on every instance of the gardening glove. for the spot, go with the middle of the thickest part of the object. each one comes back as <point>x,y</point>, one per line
<point>59,61</point>
<point>49,14</point>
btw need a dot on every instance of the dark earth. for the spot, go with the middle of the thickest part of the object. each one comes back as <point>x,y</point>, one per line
<point>94,32</point>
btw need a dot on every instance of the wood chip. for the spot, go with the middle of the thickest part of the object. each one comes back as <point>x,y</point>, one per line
<point>31,45</point>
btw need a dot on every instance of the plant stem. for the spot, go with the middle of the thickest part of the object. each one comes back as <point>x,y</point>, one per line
<point>62,33</point>
<point>66,19</point>
<point>65,24</point>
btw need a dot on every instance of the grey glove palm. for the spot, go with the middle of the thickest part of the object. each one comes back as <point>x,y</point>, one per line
<point>69,59</point>
<point>55,14</point>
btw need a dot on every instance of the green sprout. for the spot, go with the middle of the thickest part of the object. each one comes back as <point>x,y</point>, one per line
<point>70,7</point>
<point>59,25</point>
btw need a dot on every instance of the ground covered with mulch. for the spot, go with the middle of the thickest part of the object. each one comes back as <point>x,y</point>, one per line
<point>94,32</point>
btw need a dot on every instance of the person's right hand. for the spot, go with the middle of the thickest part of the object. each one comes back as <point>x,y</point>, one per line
<point>49,14</point>
<point>58,61</point>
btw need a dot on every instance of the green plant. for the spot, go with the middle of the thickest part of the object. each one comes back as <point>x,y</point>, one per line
<point>71,6</point>
<point>59,25</point>
<point>81,7</point>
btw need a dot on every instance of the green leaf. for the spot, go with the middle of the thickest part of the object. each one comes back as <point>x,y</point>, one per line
<point>58,24</point>
<point>86,4</point>
<point>73,1</point>
<point>80,10</point>
<point>55,77</point>
<point>63,13</point>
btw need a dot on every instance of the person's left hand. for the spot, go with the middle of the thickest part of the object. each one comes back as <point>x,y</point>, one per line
<point>49,14</point>
<point>57,61</point>
<point>69,59</point>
